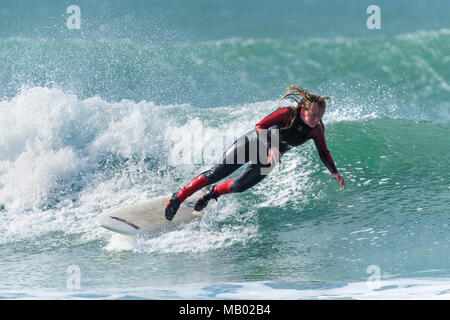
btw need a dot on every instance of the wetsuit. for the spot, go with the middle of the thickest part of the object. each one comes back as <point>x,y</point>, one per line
<point>252,148</point>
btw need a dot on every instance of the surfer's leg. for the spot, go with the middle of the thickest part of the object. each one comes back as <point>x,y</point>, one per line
<point>215,174</point>
<point>248,178</point>
<point>231,160</point>
<point>218,172</point>
<point>252,175</point>
<point>174,203</point>
<point>227,166</point>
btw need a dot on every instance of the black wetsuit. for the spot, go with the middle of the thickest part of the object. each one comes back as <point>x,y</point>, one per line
<point>252,148</point>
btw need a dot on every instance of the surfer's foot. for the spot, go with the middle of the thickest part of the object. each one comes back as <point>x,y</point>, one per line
<point>202,202</point>
<point>172,207</point>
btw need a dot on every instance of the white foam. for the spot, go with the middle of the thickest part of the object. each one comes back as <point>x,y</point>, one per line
<point>406,288</point>
<point>395,289</point>
<point>52,141</point>
<point>184,240</point>
<point>198,236</point>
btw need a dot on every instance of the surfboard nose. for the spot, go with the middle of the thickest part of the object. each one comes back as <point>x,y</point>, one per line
<point>148,217</point>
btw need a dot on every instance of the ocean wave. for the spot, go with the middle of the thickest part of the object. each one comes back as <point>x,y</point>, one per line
<point>65,160</point>
<point>407,70</point>
<point>393,289</point>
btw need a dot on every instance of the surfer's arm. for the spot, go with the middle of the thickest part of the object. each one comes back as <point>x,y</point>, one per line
<point>279,118</point>
<point>324,154</point>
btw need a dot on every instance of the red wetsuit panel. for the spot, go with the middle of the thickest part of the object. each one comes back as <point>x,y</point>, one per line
<point>223,188</point>
<point>280,116</point>
<point>196,184</point>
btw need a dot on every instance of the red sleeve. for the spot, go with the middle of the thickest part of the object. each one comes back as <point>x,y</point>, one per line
<point>324,154</point>
<point>279,116</point>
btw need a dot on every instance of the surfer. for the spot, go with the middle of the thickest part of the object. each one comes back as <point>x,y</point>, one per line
<point>283,129</point>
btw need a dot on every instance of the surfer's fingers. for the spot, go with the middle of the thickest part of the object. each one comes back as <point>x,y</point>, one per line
<point>275,157</point>
<point>342,182</point>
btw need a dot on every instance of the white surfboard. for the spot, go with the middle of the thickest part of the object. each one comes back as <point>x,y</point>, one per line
<point>148,217</point>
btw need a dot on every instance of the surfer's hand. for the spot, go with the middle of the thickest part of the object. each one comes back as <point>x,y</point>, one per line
<point>339,179</point>
<point>274,155</point>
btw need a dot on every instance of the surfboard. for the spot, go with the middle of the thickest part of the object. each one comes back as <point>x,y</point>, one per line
<point>148,216</point>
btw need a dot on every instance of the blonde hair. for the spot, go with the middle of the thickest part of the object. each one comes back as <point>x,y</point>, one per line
<point>304,100</point>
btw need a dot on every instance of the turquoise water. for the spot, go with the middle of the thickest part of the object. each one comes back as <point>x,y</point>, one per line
<point>114,113</point>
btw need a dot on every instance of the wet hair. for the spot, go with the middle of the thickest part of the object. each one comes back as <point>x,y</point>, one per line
<point>304,100</point>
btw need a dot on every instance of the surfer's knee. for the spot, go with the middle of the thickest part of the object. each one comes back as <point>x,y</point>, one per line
<point>208,175</point>
<point>214,174</point>
<point>237,187</point>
